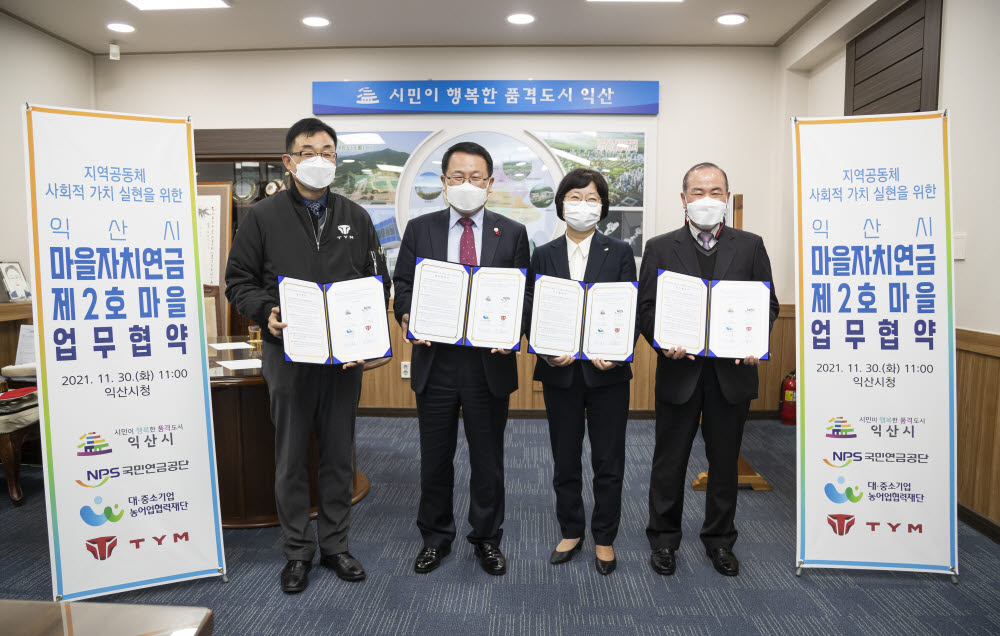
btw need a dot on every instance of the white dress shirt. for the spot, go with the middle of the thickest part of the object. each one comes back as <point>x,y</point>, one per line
<point>578,254</point>
<point>455,231</point>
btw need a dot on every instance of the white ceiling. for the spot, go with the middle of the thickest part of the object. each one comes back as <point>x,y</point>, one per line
<point>276,24</point>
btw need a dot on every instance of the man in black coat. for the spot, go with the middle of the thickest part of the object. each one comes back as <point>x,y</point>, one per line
<point>448,377</point>
<point>716,391</point>
<point>310,233</point>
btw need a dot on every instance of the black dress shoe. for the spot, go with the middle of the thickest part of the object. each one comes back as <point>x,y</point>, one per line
<point>664,561</point>
<point>295,576</point>
<point>566,556</point>
<point>605,567</point>
<point>491,558</point>
<point>429,559</point>
<point>346,566</point>
<point>725,561</point>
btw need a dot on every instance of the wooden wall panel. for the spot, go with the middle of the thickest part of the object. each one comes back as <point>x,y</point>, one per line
<point>383,387</point>
<point>978,400</point>
<point>894,65</point>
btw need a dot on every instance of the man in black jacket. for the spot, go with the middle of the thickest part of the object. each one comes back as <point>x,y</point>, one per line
<point>447,377</point>
<point>717,391</point>
<point>310,233</point>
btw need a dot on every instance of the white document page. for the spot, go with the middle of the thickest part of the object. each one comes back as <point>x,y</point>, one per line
<point>25,353</point>
<point>556,316</point>
<point>496,305</point>
<point>305,337</point>
<point>609,325</point>
<point>358,326</point>
<point>225,346</point>
<point>437,307</point>
<point>740,316</point>
<point>237,365</point>
<point>681,312</point>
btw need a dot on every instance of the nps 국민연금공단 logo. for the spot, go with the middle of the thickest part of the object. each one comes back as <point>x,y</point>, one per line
<point>840,429</point>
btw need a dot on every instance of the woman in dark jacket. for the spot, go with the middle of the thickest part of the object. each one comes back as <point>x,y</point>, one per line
<point>589,395</point>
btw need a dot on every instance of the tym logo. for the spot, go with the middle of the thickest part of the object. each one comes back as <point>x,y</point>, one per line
<point>894,527</point>
<point>178,536</point>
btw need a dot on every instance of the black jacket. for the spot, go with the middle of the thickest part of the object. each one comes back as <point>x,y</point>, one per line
<point>277,238</point>
<point>609,261</point>
<point>740,256</point>
<point>505,244</point>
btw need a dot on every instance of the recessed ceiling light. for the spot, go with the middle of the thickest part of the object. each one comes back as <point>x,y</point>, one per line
<point>121,27</point>
<point>520,18</point>
<point>635,0</point>
<point>167,5</point>
<point>731,19</point>
<point>315,21</point>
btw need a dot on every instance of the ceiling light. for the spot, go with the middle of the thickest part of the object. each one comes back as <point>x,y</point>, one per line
<point>121,27</point>
<point>731,19</point>
<point>520,18</point>
<point>635,0</point>
<point>167,5</point>
<point>315,21</point>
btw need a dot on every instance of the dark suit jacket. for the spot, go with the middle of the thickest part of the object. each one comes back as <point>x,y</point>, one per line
<point>609,261</point>
<point>427,237</point>
<point>741,256</point>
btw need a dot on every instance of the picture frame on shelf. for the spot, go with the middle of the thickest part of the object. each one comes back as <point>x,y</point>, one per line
<point>15,287</point>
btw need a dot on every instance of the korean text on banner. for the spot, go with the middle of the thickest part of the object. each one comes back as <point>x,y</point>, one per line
<point>875,344</point>
<point>126,413</point>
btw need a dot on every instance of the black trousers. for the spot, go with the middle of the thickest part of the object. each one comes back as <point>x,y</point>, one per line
<point>722,429</point>
<point>457,380</point>
<point>308,398</point>
<point>603,413</point>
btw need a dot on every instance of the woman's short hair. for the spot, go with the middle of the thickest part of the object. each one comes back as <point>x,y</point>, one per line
<point>581,178</point>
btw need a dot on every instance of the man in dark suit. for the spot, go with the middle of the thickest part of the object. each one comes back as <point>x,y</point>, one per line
<point>448,377</point>
<point>717,391</point>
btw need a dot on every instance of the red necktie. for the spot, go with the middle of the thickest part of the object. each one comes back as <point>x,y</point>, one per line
<point>467,244</point>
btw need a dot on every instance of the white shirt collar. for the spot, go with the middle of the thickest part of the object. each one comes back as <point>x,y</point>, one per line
<point>584,245</point>
<point>477,218</point>
<point>714,232</point>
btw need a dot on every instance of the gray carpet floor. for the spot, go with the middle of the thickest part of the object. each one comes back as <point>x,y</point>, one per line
<point>535,597</point>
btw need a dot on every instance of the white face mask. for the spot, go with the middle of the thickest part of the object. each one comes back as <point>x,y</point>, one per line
<point>466,197</point>
<point>316,172</point>
<point>706,212</point>
<point>582,216</point>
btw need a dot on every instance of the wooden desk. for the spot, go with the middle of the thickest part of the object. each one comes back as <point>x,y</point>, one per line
<point>244,444</point>
<point>41,618</point>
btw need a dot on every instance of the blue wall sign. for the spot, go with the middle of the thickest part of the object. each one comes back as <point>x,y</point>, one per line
<point>486,96</point>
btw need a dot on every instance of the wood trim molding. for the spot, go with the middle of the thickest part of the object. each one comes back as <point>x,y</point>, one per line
<point>982,342</point>
<point>979,523</point>
<point>15,311</point>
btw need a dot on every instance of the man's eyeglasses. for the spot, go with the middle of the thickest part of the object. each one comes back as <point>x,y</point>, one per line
<point>309,154</point>
<point>459,180</point>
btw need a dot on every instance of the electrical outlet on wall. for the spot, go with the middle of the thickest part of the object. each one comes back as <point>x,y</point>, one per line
<point>404,370</point>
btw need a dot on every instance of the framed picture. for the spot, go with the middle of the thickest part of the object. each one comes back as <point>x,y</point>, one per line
<point>15,287</point>
<point>214,205</point>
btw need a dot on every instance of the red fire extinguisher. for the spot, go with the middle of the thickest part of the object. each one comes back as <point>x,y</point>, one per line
<point>788,399</point>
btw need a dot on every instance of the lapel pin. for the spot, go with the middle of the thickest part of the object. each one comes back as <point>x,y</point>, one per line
<point>605,249</point>
<point>496,231</point>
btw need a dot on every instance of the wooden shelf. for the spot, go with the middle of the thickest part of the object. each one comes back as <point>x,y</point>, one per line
<point>14,311</point>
